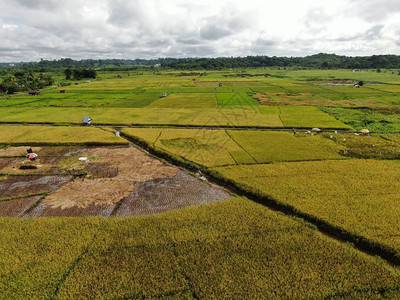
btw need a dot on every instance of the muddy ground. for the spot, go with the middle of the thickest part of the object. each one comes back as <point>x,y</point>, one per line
<point>160,195</point>
<point>113,181</point>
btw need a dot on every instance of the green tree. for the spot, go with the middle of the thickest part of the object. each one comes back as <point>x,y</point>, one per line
<point>68,74</point>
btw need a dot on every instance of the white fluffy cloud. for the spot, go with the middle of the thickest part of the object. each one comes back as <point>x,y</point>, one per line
<point>51,29</point>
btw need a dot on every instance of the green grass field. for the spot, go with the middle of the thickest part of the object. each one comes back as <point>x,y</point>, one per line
<point>136,99</point>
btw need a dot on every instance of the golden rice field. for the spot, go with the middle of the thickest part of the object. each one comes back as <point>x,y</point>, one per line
<point>23,135</point>
<point>229,249</point>
<point>360,196</point>
<point>230,147</point>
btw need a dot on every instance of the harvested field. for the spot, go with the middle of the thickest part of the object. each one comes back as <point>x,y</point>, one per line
<point>49,160</point>
<point>43,165</point>
<point>5,162</point>
<point>85,192</point>
<point>132,164</point>
<point>284,98</point>
<point>15,186</point>
<point>17,207</point>
<point>144,184</point>
<point>43,210</point>
<point>129,166</point>
<point>60,151</point>
<point>16,151</point>
<point>161,195</point>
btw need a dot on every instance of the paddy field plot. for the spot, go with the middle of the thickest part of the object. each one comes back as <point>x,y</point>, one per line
<point>378,146</point>
<point>230,249</point>
<point>230,147</point>
<point>22,135</point>
<point>360,196</point>
<point>186,100</point>
<point>137,100</point>
<point>235,99</point>
<point>358,119</point>
<point>247,116</point>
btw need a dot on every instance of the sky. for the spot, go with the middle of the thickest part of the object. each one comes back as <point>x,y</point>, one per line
<point>31,30</point>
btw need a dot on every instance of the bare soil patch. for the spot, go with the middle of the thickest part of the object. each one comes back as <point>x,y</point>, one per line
<point>120,181</point>
<point>127,165</point>
<point>4,162</point>
<point>43,210</point>
<point>48,161</point>
<point>44,165</point>
<point>16,151</point>
<point>284,99</point>
<point>84,192</point>
<point>25,185</point>
<point>160,195</point>
<point>17,207</point>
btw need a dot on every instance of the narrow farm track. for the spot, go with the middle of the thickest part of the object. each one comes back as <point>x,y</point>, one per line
<point>166,126</point>
<point>216,127</point>
<point>327,229</point>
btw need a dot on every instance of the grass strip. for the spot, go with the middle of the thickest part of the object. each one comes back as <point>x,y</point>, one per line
<point>24,196</point>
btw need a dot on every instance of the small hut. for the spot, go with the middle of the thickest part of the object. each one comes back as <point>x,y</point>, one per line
<point>86,120</point>
<point>33,92</point>
<point>220,84</point>
<point>364,131</point>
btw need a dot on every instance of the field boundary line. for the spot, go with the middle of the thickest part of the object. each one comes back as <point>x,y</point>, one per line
<point>183,273</point>
<point>343,294</point>
<point>158,137</point>
<point>280,161</point>
<point>181,126</point>
<point>72,266</point>
<point>280,115</point>
<point>29,209</point>
<point>24,196</point>
<point>240,146</point>
<point>361,243</point>
<point>340,234</point>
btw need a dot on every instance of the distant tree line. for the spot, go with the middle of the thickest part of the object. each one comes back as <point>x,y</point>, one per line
<point>23,81</point>
<point>317,61</point>
<point>78,74</point>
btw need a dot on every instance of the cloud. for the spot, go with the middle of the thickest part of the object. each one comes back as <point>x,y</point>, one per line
<point>10,26</point>
<point>227,22</point>
<point>316,17</point>
<point>40,4</point>
<point>50,29</point>
<point>375,10</point>
<point>374,33</point>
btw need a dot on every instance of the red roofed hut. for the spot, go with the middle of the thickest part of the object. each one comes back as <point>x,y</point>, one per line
<point>33,92</point>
